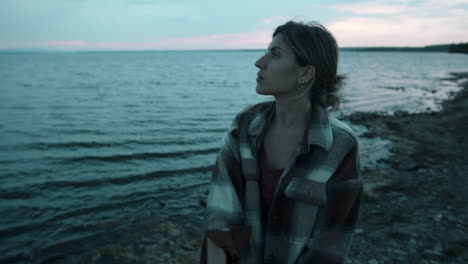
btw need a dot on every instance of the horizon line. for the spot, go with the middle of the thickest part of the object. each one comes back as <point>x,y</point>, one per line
<point>194,50</point>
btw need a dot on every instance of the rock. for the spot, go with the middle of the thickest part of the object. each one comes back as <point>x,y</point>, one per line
<point>400,113</point>
<point>397,251</point>
<point>372,261</point>
<point>367,135</point>
<point>371,189</point>
<point>451,218</point>
<point>433,252</point>
<point>203,201</point>
<point>396,88</point>
<point>393,125</point>
<point>173,231</point>
<point>455,249</point>
<point>408,164</point>
<point>170,243</point>
<point>438,248</point>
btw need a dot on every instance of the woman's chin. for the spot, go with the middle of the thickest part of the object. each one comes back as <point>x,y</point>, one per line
<point>261,90</point>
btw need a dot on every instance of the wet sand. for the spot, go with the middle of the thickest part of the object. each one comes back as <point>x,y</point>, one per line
<point>414,210</point>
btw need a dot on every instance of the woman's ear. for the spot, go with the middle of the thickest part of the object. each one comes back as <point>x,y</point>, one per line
<point>307,73</point>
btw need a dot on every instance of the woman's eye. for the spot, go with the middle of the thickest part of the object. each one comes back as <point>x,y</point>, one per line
<point>272,54</point>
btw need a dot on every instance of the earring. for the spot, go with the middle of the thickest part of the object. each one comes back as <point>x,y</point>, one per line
<point>304,84</point>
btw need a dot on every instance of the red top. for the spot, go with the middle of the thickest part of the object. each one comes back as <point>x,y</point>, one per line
<point>269,178</point>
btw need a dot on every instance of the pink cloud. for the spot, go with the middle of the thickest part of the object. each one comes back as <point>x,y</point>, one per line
<point>114,45</point>
<point>52,44</point>
<point>398,31</point>
<point>401,23</point>
<point>67,43</point>
<point>222,41</point>
<point>242,40</point>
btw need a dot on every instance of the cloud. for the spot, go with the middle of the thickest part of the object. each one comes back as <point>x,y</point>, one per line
<point>242,40</point>
<point>403,31</point>
<point>446,3</point>
<point>149,24</point>
<point>222,41</point>
<point>374,8</point>
<point>410,7</point>
<point>114,45</point>
<point>457,11</point>
<point>275,20</point>
<point>401,23</point>
<point>66,43</point>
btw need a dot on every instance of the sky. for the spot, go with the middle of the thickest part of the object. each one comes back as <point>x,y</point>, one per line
<point>219,24</point>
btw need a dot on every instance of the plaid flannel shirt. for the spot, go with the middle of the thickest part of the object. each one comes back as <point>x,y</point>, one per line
<point>316,203</point>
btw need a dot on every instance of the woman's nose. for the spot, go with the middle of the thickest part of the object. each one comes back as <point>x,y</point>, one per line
<point>259,63</point>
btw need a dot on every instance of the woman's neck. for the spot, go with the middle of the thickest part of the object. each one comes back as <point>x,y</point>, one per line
<point>292,114</point>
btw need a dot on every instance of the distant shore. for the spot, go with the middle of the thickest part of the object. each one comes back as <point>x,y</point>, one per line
<point>446,48</point>
<point>434,48</point>
<point>414,210</point>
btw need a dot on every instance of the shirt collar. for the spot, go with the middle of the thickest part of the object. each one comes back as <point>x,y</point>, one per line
<point>319,131</point>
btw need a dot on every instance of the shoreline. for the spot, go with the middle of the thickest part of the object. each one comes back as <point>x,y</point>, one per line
<point>414,208</point>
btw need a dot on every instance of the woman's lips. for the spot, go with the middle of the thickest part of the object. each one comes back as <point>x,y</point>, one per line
<point>259,78</point>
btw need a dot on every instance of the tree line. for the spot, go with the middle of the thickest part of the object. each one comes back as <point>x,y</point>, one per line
<point>458,48</point>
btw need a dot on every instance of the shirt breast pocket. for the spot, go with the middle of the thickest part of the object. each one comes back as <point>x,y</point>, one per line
<point>307,191</point>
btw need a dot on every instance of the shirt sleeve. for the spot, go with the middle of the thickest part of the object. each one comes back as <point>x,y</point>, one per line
<point>225,195</point>
<point>330,244</point>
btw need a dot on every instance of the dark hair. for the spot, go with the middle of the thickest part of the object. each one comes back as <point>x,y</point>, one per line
<point>314,45</point>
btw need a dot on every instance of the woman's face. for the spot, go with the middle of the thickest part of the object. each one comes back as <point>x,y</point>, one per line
<point>278,70</point>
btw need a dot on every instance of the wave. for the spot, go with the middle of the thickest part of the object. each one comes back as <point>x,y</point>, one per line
<point>92,229</point>
<point>134,195</point>
<point>69,145</point>
<point>101,144</point>
<point>43,224</point>
<point>80,131</point>
<point>15,194</point>
<point>121,180</point>
<point>138,156</point>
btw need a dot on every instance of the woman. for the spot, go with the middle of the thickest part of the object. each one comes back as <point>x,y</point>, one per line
<point>286,186</point>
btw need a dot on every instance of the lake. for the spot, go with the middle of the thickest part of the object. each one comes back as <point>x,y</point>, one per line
<point>95,141</point>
